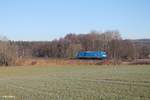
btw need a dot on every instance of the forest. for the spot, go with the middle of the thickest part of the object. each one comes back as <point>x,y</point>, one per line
<point>112,42</point>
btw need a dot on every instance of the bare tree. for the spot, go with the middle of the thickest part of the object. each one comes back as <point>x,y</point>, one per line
<point>7,52</point>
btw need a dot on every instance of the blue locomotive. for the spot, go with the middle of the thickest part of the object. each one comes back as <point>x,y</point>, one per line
<point>91,55</point>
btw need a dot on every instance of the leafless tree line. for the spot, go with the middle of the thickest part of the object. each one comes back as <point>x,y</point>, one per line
<point>67,47</point>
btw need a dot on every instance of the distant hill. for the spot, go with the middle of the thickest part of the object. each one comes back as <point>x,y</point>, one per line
<point>143,41</point>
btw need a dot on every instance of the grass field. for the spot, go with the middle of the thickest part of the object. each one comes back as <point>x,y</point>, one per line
<point>75,83</point>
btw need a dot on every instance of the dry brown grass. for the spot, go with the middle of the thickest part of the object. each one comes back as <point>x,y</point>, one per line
<point>49,62</point>
<point>54,62</point>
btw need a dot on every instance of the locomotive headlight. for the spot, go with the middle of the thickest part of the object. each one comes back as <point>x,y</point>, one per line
<point>104,55</point>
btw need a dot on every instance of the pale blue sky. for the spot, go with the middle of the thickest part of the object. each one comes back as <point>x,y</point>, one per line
<point>49,19</point>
